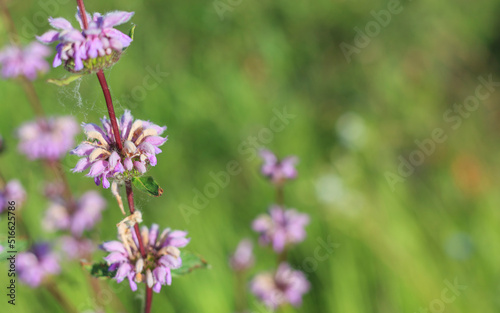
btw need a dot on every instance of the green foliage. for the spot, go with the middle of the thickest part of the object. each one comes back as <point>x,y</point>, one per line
<point>190,262</point>
<point>20,246</point>
<point>148,185</point>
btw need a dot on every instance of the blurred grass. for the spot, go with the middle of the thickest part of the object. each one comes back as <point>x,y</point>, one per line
<point>225,78</point>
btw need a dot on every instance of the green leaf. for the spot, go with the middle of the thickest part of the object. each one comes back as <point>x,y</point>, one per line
<point>64,81</point>
<point>100,270</point>
<point>190,262</point>
<point>148,185</point>
<point>20,246</point>
<point>131,32</point>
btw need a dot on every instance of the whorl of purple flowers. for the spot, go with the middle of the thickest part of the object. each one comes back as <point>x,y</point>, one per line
<point>100,40</point>
<point>85,214</point>
<point>278,171</point>
<point>284,286</point>
<point>28,61</point>
<point>162,255</point>
<point>140,139</point>
<point>242,258</point>
<point>48,139</point>
<point>281,227</point>
<point>35,264</point>
<point>13,191</point>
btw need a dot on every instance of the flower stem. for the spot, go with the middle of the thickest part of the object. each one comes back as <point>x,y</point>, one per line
<point>14,37</point>
<point>81,6</point>
<point>30,91</point>
<point>149,299</point>
<point>280,197</point>
<point>130,199</point>
<point>111,110</point>
<point>54,291</point>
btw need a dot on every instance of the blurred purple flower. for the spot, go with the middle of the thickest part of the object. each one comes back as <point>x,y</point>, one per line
<point>28,61</point>
<point>48,139</point>
<point>91,49</point>
<point>140,140</point>
<point>76,248</point>
<point>162,255</point>
<point>284,286</point>
<point>37,263</point>
<point>13,191</point>
<point>242,258</point>
<point>83,215</point>
<point>281,227</point>
<point>278,171</point>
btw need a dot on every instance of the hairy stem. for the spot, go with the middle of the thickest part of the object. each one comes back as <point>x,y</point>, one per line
<point>81,6</point>
<point>111,110</point>
<point>149,299</point>
<point>130,199</point>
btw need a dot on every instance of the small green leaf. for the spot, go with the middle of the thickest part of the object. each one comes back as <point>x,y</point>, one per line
<point>190,262</point>
<point>131,32</point>
<point>100,270</point>
<point>20,246</point>
<point>64,81</point>
<point>148,185</point>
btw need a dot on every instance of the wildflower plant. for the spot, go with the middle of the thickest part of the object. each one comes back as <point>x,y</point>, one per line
<point>281,229</point>
<point>116,154</point>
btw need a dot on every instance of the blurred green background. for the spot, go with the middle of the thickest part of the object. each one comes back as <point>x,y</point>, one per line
<point>396,244</point>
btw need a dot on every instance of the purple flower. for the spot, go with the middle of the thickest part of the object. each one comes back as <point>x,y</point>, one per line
<point>278,171</point>
<point>92,49</point>
<point>27,62</point>
<point>140,140</point>
<point>37,263</point>
<point>284,286</point>
<point>281,227</point>
<point>76,248</point>
<point>13,191</point>
<point>48,139</point>
<point>162,255</point>
<point>242,258</point>
<point>78,217</point>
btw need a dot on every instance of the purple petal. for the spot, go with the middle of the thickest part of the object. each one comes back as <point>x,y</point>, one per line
<point>155,140</point>
<point>115,257</point>
<point>116,18</point>
<point>118,35</point>
<point>140,167</point>
<point>114,246</point>
<point>49,37</point>
<point>82,165</point>
<point>60,23</point>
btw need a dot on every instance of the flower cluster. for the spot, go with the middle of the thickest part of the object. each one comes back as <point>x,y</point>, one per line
<point>162,255</point>
<point>242,258</point>
<point>284,286</point>
<point>35,264</point>
<point>48,139</point>
<point>278,171</point>
<point>78,217</point>
<point>28,61</point>
<point>92,49</point>
<point>140,141</point>
<point>281,227</point>
<point>13,191</point>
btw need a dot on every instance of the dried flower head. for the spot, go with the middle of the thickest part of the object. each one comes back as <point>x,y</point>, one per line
<point>242,258</point>
<point>278,171</point>
<point>281,227</point>
<point>284,286</point>
<point>36,264</point>
<point>162,255</point>
<point>140,139</point>
<point>48,139</point>
<point>92,49</point>
<point>28,61</point>
<point>12,191</point>
<point>77,217</point>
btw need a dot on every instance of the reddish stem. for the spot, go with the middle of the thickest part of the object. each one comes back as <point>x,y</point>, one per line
<point>149,299</point>
<point>111,110</point>
<point>83,13</point>
<point>130,198</point>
